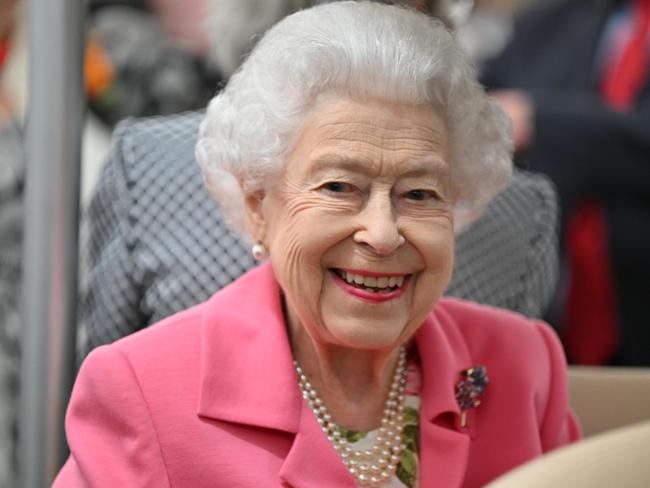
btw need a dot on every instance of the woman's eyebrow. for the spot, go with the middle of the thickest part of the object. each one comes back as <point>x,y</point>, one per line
<point>425,166</point>
<point>331,161</point>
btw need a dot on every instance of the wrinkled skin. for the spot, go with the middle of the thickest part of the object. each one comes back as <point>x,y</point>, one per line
<point>366,187</point>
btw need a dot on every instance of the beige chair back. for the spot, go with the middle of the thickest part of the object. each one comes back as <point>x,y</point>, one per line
<point>608,398</point>
<point>618,458</point>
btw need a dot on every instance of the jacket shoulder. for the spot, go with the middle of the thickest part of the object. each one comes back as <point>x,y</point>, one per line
<point>490,332</point>
<point>168,344</point>
<point>145,146</point>
<point>166,127</point>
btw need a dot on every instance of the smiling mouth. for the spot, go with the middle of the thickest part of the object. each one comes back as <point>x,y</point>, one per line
<point>372,284</point>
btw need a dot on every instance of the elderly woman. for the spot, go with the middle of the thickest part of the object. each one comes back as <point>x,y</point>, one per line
<point>349,147</point>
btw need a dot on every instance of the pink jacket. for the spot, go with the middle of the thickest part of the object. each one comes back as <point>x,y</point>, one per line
<point>209,398</point>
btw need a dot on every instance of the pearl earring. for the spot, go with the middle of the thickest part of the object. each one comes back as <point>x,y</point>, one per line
<point>259,251</point>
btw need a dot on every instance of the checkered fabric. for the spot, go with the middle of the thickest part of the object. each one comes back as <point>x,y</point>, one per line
<point>11,239</point>
<point>158,244</point>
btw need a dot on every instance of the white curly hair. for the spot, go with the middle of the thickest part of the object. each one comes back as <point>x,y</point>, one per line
<point>355,50</point>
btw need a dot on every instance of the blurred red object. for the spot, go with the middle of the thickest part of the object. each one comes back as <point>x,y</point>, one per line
<point>591,316</point>
<point>4,52</point>
<point>628,70</point>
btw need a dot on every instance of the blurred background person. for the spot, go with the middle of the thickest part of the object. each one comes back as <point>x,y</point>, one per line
<point>148,58</point>
<point>488,26</point>
<point>574,78</point>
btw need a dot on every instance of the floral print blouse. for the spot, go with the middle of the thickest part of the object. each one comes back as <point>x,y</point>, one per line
<point>407,469</point>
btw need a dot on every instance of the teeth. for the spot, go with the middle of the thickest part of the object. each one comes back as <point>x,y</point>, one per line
<point>372,281</point>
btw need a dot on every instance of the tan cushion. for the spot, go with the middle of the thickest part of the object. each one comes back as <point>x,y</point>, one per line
<point>618,458</point>
<point>608,398</point>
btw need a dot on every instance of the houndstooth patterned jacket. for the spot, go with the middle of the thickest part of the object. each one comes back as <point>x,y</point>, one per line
<point>157,243</point>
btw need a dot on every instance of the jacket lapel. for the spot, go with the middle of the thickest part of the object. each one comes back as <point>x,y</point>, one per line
<point>312,460</point>
<point>247,377</point>
<point>247,374</point>
<point>444,445</point>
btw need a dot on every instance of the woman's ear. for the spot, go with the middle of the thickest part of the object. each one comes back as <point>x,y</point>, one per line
<point>255,215</point>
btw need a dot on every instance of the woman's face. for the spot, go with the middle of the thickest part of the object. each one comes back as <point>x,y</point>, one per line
<point>359,225</point>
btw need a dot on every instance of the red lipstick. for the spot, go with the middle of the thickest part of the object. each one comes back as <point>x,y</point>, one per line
<point>369,296</point>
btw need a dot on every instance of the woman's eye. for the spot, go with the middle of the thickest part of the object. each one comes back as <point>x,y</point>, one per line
<point>338,187</point>
<point>420,195</point>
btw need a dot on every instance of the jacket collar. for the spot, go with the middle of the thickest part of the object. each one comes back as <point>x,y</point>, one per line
<point>247,373</point>
<point>247,377</point>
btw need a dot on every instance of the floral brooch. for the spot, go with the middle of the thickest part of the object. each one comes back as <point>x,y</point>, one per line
<point>470,390</point>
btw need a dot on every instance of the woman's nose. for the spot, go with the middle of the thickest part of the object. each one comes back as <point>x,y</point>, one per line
<point>378,228</point>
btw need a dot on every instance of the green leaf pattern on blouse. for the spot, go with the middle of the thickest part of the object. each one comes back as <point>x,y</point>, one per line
<point>352,436</point>
<point>407,469</point>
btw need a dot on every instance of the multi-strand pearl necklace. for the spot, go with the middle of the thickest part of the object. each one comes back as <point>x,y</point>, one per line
<point>375,466</point>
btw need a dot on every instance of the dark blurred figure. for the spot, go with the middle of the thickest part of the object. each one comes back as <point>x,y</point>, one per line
<point>148,57</point>
<point>574,79</point>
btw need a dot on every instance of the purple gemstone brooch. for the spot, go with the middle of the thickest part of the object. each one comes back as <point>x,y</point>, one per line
<point>470,390</point>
